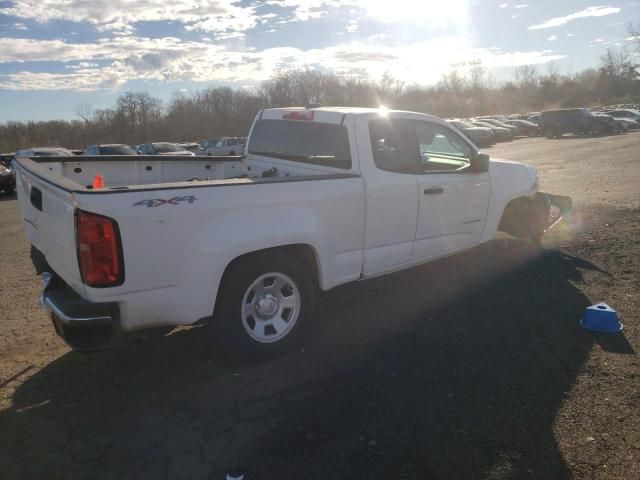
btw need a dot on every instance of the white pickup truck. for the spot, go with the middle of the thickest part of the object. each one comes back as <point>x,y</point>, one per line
<point>323,197</point>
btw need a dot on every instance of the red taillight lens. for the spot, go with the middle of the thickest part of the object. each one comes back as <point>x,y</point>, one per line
<point>99,251</point>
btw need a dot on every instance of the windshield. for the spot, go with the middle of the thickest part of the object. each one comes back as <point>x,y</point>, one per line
<point>164,147</point>
<point>117,150</point>
<point>309,142</point>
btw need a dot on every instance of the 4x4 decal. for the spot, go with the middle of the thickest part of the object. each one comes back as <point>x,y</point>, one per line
<point>158,202</point>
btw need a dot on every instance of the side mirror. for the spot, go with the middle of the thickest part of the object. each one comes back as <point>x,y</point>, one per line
<point>480,163</point>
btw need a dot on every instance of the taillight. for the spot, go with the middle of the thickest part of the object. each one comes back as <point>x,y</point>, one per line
<point>99,250</point>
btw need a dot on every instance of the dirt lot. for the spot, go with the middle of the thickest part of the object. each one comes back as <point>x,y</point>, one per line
<point>470,367</point>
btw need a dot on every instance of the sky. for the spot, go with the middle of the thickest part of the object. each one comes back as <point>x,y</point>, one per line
<point>58,54</point>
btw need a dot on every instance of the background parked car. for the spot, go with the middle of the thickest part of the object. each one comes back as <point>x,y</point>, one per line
<point>525,128</point>
<point>555,123</point>
<point>110,149</point>
<point>630,114</point>
<point>163,148</point>
<point>481,136</point>
<point>534,118</point>
<point>498,123</point>
<point>500,134</point>
<point>194,147</point>
<point>7,180</point>
<point>619,124</point>
<point>225,146</point>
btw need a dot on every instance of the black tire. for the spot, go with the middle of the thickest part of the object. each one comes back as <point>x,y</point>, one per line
<point>228,324</point>
<point>10,190</point>
<point>598,129</point>
<point>549,132</point>
<point>232,153</point>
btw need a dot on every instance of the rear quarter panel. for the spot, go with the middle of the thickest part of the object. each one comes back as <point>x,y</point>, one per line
<point>175,253</point>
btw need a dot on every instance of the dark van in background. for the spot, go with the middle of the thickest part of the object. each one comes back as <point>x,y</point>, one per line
<point>554,123</point>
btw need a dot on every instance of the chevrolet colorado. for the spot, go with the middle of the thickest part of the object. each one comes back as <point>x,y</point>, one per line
<point>323,196</point>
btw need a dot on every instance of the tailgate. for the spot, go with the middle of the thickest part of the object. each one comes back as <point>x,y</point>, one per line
<point>48,215</point>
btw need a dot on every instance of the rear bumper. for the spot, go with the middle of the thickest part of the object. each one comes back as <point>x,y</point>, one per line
<point>83,325</point>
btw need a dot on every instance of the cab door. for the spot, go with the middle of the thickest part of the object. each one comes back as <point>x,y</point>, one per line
<point>391,188</point>
<point>454,199</point>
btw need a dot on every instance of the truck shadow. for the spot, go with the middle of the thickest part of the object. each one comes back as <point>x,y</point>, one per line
<point>451,370</point>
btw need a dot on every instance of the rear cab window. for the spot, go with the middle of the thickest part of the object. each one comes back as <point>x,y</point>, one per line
<point>311,142</point>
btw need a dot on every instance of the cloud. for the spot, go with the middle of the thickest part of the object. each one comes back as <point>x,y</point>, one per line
<point>552,38</point>
<point>212,16</point>
<point>20,26</point>
<point>522,5</point>
<point>503,5</point>
<point>587,12</point>
<point>110,63</point>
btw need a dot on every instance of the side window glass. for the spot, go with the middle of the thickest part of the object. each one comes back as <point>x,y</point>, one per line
<point>441,149</point>
<point>393,146</point>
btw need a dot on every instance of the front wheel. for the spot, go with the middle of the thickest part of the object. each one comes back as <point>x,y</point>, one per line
<point>265,306</point>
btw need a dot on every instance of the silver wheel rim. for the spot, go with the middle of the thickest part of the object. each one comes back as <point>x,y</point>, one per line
<point>270,307</point>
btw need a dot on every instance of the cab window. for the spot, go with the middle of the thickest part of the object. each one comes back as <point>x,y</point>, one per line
<point>441,149</point>
<point>393,145</point>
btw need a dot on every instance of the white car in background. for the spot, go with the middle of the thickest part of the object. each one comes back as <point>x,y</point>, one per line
<point>163,148</point>
<point>224,146</point>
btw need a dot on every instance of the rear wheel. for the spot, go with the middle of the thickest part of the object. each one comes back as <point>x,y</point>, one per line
<point>232,153</point>
<point>598,129</point>
<point>265,306</point>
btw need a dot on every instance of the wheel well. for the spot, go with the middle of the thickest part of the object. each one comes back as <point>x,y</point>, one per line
<point>523,216</point>
<point>304,253</point>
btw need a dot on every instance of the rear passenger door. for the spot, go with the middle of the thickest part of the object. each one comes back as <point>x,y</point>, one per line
<point>391,187</point>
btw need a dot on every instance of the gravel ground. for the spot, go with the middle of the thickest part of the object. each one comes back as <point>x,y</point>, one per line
<point>469,367</point>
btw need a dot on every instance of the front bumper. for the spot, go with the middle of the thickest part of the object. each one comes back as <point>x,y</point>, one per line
<point>563,205</point>
<point>83,325</point>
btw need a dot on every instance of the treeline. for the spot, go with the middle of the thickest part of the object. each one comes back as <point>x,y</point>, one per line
<point>138,117</point>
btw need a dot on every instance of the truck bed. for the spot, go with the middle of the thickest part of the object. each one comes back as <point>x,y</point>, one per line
<point>148,172</point>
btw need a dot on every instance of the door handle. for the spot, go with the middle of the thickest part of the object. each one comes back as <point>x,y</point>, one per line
<point>433,190</point>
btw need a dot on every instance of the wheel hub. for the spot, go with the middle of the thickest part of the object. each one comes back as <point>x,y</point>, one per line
<point>267,306</point>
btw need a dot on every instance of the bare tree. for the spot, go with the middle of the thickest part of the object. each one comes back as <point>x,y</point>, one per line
<point>390,88</point>
<point>526,77</point>
<point>84,111</point>
<point>617,63</point>
<point>552,71</point>
<point>453,82</point>
<point>477,72</point>
<point>634,31</point>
